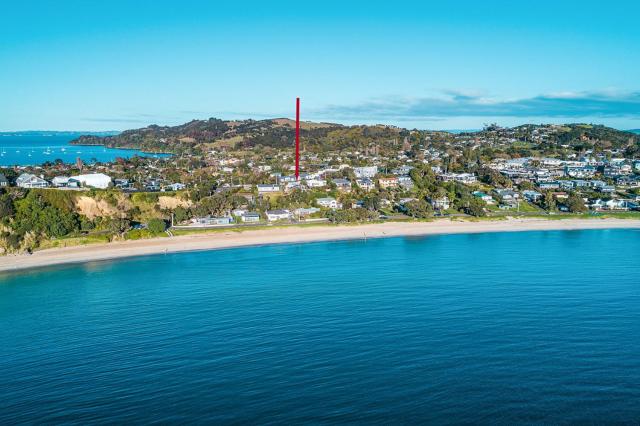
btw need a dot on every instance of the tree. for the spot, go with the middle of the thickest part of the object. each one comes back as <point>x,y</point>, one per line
<point>423,177</point>
<point>157,226</point>
<point>6,206</point>
<point>576,204</point>
<point>118,225</point>
<point>418,209</point>
<point>180,214</point>
<point>33,213</point>
<point>371,202</point>
<point>548,202</point>
<point>475,207</point>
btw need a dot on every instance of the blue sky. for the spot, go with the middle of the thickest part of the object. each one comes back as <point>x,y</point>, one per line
<point>90,65</point>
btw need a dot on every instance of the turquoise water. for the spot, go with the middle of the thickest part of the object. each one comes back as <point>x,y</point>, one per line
<point>537,327</point>
<point>35,149</point>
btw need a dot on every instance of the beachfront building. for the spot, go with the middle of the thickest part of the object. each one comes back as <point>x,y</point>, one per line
<point>274,215</point>
<point>441,203</point>
<point>483,196</point>
<point>305,211</point>
<point>329,203</point>
<point>212,221</point>
<point>27,180</point>
<point>250,217</point>
<point>4,182</point>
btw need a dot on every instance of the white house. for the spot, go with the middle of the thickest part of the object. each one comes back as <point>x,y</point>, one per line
<point>365,172</point>
<point>27,180</point>
<point>176,186</point>
<point>441,203</point>
<point>484,197</point>
<point>328,202</point>
<point>273,215</point>
<point>306,211</point>
<point>94,180</point>
<point>316,183</point>
<point>250,217</point>
<point>366,184</point>
<point>60,181</point>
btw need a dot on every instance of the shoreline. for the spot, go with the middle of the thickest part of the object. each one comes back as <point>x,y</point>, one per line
<point>292,235</point>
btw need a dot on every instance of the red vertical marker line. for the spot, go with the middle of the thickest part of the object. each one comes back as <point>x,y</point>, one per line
<point>297,138</point>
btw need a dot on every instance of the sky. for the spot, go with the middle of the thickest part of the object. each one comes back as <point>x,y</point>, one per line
<point>115,65</point>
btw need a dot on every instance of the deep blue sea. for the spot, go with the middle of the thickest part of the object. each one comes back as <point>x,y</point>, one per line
<point>34,149</point>
<point>533,327</point>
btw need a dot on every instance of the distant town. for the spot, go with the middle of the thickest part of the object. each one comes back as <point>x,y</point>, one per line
<point>224,174</point>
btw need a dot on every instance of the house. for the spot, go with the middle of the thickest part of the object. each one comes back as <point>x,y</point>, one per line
<point>306,211</point>
<point>402,170</point>
<point>609,205</point>
<point>366,184</point>
<point>27,180</point>
<point>506,194</point>
<point>607,189</point>
<point>212,221</point>
<point>152,186</point>
<point>441,203</point>
<point>388,182</point>
<point>267,188</point>
<point>365,172</point>
<point>315,183</point>
<point>3,181</point>
<point>329,202</point>
<point>405,182</point>
<point>580,171</point>
<point>549,184</point>
<point>484,197</point>
<point>286,179</point>
<point>250,217</point>
<point>343,185</point>
<point>60,181</point>
<point>274,215</point>
<point>94,180</point>
<point>466,178</point>
<point>290,186</point>
<point>121,183</point>
<point>175,187</point>
<point>531,196</point>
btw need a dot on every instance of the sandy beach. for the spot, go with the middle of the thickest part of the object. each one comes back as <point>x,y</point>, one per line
<point>288,235</point>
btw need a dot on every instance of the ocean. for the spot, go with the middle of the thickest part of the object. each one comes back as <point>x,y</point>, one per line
<point>29,149</point>
<point>504,328</point>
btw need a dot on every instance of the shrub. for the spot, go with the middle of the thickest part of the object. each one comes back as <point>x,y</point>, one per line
<point>157,226</point>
